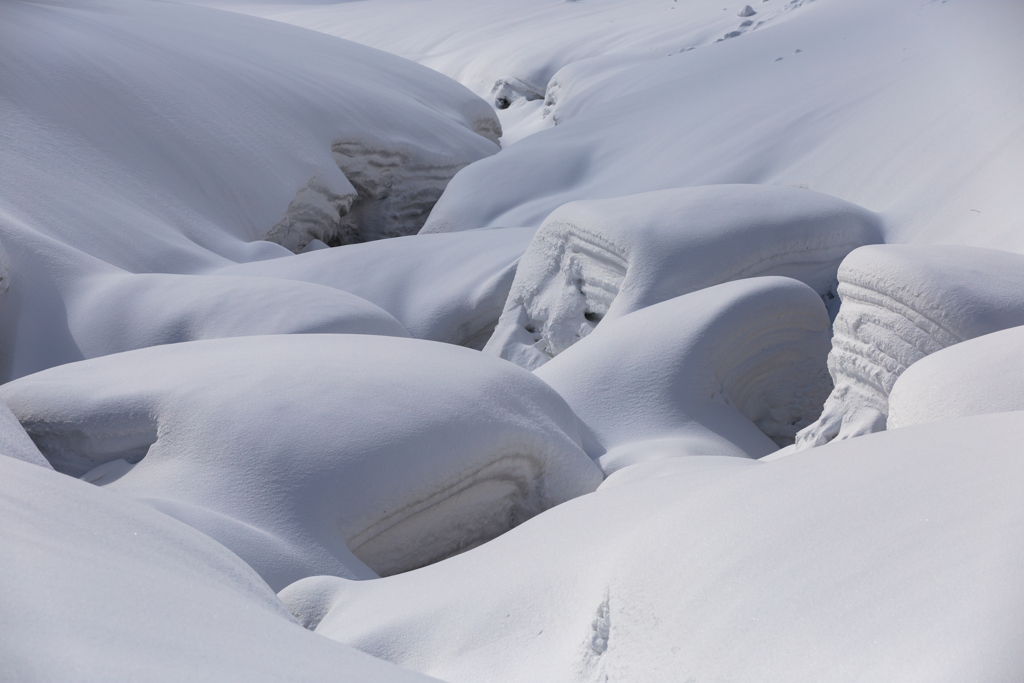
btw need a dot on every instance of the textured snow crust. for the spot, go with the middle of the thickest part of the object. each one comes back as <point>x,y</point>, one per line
<point>99,587</point>
<point>302,453</point>
<point>979,376</point>
<point>735,369</point>
<point>888,556</point>
<point>901,303</point>
<point>602,259</point>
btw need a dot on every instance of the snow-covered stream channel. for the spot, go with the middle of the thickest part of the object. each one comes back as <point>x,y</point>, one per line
<point>531,340</point>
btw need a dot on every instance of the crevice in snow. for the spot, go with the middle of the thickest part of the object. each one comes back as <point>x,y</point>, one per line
<point>78,448</point>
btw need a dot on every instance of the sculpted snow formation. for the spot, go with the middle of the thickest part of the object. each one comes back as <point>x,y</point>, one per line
<point>892,550</point>
<point>734,369</point>
<point>298,451</point>
<point>108,589</point>
<point>979,376</point>
<point>601,259</point>
<point>901,303</point>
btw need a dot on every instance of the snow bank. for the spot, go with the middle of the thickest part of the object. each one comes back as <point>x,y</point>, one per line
<point>99,587</point>
<point>899,304</point>
<point>983,375</point>
<point>601,259</point>
<point>448,288</point>
<point>895,556</point>
<point>725,370</point>
<point>292,450</point>
<point>899,106</point>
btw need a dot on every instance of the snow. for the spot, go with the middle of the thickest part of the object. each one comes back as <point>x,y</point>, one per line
<point>302,453</point>
<point>901,303</point>
<point>602,259</point>
<point>98,587</point>
<point>888,556</point>
<point>726,370</point>
<point>603,341</point>
<point>983,375</point>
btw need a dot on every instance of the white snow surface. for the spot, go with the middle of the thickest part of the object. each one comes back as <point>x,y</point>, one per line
<point>891,557</point>
<point>145,143</point>
<point>452,287</point>
<point>735,369</point>
<point>15,442</point>
<point>979,376</point>
<point>98,587</point>
<point>901,303</point>
<point>601,259</point>
<point>302,453</point>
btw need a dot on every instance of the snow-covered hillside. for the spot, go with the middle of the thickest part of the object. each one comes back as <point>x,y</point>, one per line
<point>531,340</point>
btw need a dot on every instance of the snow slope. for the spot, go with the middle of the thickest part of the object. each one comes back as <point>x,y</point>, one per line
<point>891,557</point>
<point>146,138</point>
<point>302,453</point>
<point>99,587</point>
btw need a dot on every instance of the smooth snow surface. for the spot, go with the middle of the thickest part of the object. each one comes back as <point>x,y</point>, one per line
<point>726,370</point>
<point>892,557</point>
<point>452,287</point>
<point>899,304</point>
<point>298,451</point>
<point>598,260</point>
<point>98,587</point>
<point>983,375</point>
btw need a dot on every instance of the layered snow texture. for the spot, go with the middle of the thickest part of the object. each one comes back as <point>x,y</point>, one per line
<point>602,259</point>
<point>99,587</point>
<point>303,453</point>
<point>147,144</point>
<point>734,369</point>
<point>899,304</point>
<point>15,442</point>
<point>451,287</point>
<point>979,376</point>
<point>888,556</point>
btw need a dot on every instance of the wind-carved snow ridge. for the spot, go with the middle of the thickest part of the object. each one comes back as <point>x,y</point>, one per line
<point>598,259</point>
<point>899,304</point>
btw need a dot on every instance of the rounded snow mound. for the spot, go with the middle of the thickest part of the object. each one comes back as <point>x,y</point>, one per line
<point>601,259</point>
<point>295,450</point>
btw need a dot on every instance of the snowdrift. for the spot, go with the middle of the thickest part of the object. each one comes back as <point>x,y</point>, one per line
<point>894,556</point>
<point>727,370</point>
<point>899,304</point>
<point>298,451</point>
<point>601,259</point>
<point>983,375</point>
<point>99,587</point>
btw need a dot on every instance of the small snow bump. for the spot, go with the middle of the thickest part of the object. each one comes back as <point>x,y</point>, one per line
<point>747,11</point>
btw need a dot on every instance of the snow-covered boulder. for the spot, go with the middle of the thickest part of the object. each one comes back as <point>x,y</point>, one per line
<point>734,369</point>
<point>298,451</point>
<point>982,375</point>
<point>601,259</point>
<point>894,557</point>
<point>98,587</point>
<point>448,287</point>
<point>901,303</point>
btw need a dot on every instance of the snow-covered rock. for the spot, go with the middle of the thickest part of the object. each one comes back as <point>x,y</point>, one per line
<point>899,304</point>
<point>726,370</point>
<point>982,375</point>
<point>448,287</point>
<point>98,587</point>
<point>298,451</point>
<point>895,556</point>
<point>601,259</point>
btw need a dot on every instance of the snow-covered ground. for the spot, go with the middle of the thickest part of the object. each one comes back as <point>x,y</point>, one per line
<point>586,340</point>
